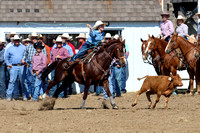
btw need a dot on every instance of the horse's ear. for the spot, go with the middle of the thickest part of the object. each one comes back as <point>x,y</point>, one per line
<point>149,35</point>
<point>153,36</point>
<point>141,40</point>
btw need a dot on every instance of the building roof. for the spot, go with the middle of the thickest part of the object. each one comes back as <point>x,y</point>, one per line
<point>181,1</point>
<point>79,10</point>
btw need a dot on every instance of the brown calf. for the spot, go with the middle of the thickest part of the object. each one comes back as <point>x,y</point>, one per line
<point>160,85</point>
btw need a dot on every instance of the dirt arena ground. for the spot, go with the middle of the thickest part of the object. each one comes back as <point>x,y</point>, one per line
<point>183,116</point>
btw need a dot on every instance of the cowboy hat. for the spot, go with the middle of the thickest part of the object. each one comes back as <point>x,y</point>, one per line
<point>58,39</point>
<point>38,45</point>
<point>81,35</point>
<point>97,24</point>
<point>198,13</point>
<point>2,43</point>
<point>26,40</point>
<point>16,37</point>
<point>66,35</point>
<point>180,17</point>
<point>116,36</point>
<point>108,35</point>
<point>165,13</point>
<point>33,34</point>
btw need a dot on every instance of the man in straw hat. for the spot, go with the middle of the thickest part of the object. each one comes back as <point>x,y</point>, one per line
<point>167,28</point>
<point>42,39</point>
<point>181,29</point>
<point>59,53</point>
<point>65,37</point>
<point>66,40</point>
<point>81,39</point>
<point>13,61</point>
<point>2,71</point>
<point>27,57</point>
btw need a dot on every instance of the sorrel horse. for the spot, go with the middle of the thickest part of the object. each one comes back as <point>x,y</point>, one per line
<point>93,72</point>
<point>170,62</point>
<point>187,49</point>
<point>153,60</point>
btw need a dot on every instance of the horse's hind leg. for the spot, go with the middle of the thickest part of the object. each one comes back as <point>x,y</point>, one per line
<point>106,87</point>
<point>61,88</point>
<point>51,84</point>
<point>87,86</point>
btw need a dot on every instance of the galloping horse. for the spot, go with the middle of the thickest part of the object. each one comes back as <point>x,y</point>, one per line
<point>155,58</point>
<point>187,49</point>
<point>94,71</point>
<point>170,62</point>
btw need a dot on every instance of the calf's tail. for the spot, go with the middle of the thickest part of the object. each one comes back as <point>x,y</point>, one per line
<point>142,77</point>
<point>47,70</point>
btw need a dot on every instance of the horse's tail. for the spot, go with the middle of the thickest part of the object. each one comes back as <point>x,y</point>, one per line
<point>47,70</point>
<point>142,77</point>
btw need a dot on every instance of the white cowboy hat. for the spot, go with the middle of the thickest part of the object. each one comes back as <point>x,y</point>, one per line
<point>108,35</point>
<point>26,40</point>
<point>33,34</point>
<point>97,24</point>
<point>3,41</point>
<point>58,39</point>
<point>116,36</point>
<point>198,13</point>
<point>66,35</point>
<point>40,36</point>
<point>16,37</point>
<point>180,17</point>
<point>81,35</point>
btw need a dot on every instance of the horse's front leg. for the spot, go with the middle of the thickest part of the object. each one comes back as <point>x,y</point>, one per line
<point>191,75</point>
<point>106,87</point>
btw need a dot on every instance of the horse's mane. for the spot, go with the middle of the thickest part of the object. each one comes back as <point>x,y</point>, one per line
<point>107,45</point>
<point>186,41</point>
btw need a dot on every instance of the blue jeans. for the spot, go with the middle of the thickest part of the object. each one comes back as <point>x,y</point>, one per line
<point>16,71</point>
<point>82,51</point>
<point>118,79</point>
<point>2,82</point>
<point>30,80</point>
<point>37,87</point>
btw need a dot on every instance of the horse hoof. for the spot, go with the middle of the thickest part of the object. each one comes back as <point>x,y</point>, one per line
<point>44,96</point>
<point>133,104</point>
<point>115,107</point>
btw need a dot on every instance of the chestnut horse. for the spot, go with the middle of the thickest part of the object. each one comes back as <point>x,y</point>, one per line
<point>88,73</point>
<point>187,49</point>
<point>153,60</point>
<point>170,62</point>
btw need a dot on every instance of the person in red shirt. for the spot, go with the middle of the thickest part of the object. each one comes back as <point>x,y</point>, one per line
<point>81,39</point>
<point>67,39</point>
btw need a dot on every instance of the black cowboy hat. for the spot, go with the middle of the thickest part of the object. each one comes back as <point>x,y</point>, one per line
<point>38,45</point>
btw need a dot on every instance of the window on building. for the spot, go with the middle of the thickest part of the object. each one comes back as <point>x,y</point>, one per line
<point>36,10</point>
<point>11,10</point>
<point>19,10</point>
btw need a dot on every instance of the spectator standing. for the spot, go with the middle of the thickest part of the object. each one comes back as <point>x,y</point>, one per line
<point>81,39</point>
<point>13,58</point>
<point>27,57</point>
<point>39,62</point>
<point>58,53</point>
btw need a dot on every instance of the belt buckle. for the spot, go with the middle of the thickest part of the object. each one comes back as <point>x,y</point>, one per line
<point>18,64</point>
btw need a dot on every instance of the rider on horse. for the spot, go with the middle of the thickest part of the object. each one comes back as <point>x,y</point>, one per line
<point>96,37</point>
<point>167,28</point>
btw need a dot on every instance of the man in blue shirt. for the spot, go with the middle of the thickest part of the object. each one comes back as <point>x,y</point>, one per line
<point>13,58</point>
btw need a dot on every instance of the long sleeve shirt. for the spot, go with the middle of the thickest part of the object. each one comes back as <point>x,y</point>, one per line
<point>7,46</point>
<point>39,62</point>
<point>182,30</point>
<point>167,28</point>
<point>95,37</point>
<point>14,54</point>
<point>30,51</point>
<point>73,48</point>
<point>66,46</point>
<point>59,51</point>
